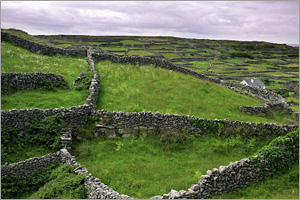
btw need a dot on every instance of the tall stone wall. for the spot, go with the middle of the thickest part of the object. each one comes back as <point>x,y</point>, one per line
<point>126,124</point>
<point>40,48</point>
<point>30,81</point>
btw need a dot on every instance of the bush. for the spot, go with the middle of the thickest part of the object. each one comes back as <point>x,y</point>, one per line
<point>55,182</point>
<point>10,142</point>
<point>84,82</point>
<point>47,131</point>
<point>280,154</point>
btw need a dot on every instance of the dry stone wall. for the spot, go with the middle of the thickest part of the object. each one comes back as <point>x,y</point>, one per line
<point>95,188</point>
<point>40,48</point>
<point>30,166</point>
<point>127,124</point>
<point>30,81</point>
<point>75,115</point>
<point>279,153</point>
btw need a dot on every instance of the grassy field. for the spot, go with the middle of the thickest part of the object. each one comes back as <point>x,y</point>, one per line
<point>280,186</point>
<point>170,55</point>
<point>131,88</point>
<point>151,166</point>
<point>113,48</point>
<point>16,59</point>
<point>140,52</point>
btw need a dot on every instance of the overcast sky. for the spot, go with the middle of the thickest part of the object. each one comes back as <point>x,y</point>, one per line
<point>272,21</point>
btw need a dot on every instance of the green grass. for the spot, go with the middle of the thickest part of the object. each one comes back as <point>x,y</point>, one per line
<point>130,88</point>
<point>29,151</point>
<point>170,55</point>
<point>161,47</point>
<point>131,42</point>
<point>16,59</point>
<point>146,166</point>
<point>234,60</point>
<point>191,49</point>
<point>113,48</point>
<point>280,186</point>
<point>140,53</point>
<point>200,64</point>
<point>43,99</point>
<point>189,55</point>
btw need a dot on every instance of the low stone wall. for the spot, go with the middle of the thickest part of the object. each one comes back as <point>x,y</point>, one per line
<point>41,49</point>
<point>281,151</point>
<point>95,188</point>
<point>75,115</point>
<point>127,124</point>
<point>30,81</point>
<point>30,166</point>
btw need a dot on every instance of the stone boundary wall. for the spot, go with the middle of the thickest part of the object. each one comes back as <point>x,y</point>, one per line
<point>29,81</point>
<point>40,48</point>
<point>95,188</point>
<point>240,173</point>
<point>127,124</point>
<point>75,115</point>
<point>30,166</point>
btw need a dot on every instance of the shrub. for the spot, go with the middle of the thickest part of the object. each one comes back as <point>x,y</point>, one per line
<point>84,82</point>
<point>54,182</point>
<point>280,154</point>
<point>47,131</point>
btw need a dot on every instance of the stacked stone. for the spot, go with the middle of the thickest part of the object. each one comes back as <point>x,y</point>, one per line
<point>94,86</point>
<point>29,81</point>
<point>30,166</point>
<point>42,49</point>
<point>22,118</point>
<point>129,123</point>
<point>95,188</point>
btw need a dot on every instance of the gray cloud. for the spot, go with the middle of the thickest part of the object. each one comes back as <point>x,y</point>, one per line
<point>274,21</point>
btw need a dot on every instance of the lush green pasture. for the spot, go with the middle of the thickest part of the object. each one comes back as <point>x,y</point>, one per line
<point>133,88</point>
<point>170,55</point>
<point>113,48</point>
<point>145,166</point>
<point>43,99</point>
<point>280,186</point>
<point>140,53</point>
<point>16,59</point>
<point>131,42</point>
<point>200,64</point>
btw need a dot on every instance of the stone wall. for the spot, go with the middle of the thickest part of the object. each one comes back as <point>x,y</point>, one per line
<point>127,124</point>
<point>95,188</point>
<point>40,48</point>
<point>30,166</point>
<point>75,115</point>
<point>280,153</point>
<point>30,81</point>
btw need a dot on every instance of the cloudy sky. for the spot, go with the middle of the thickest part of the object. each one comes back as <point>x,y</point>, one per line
<point>272,21</point>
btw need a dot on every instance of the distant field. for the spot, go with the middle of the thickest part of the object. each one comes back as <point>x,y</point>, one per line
<point>16,59</point>
<point>140,52</point>
<point>131,88</point>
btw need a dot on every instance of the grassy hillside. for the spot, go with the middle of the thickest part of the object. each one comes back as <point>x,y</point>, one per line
<point>16,59</point>
<point>133,88</point>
